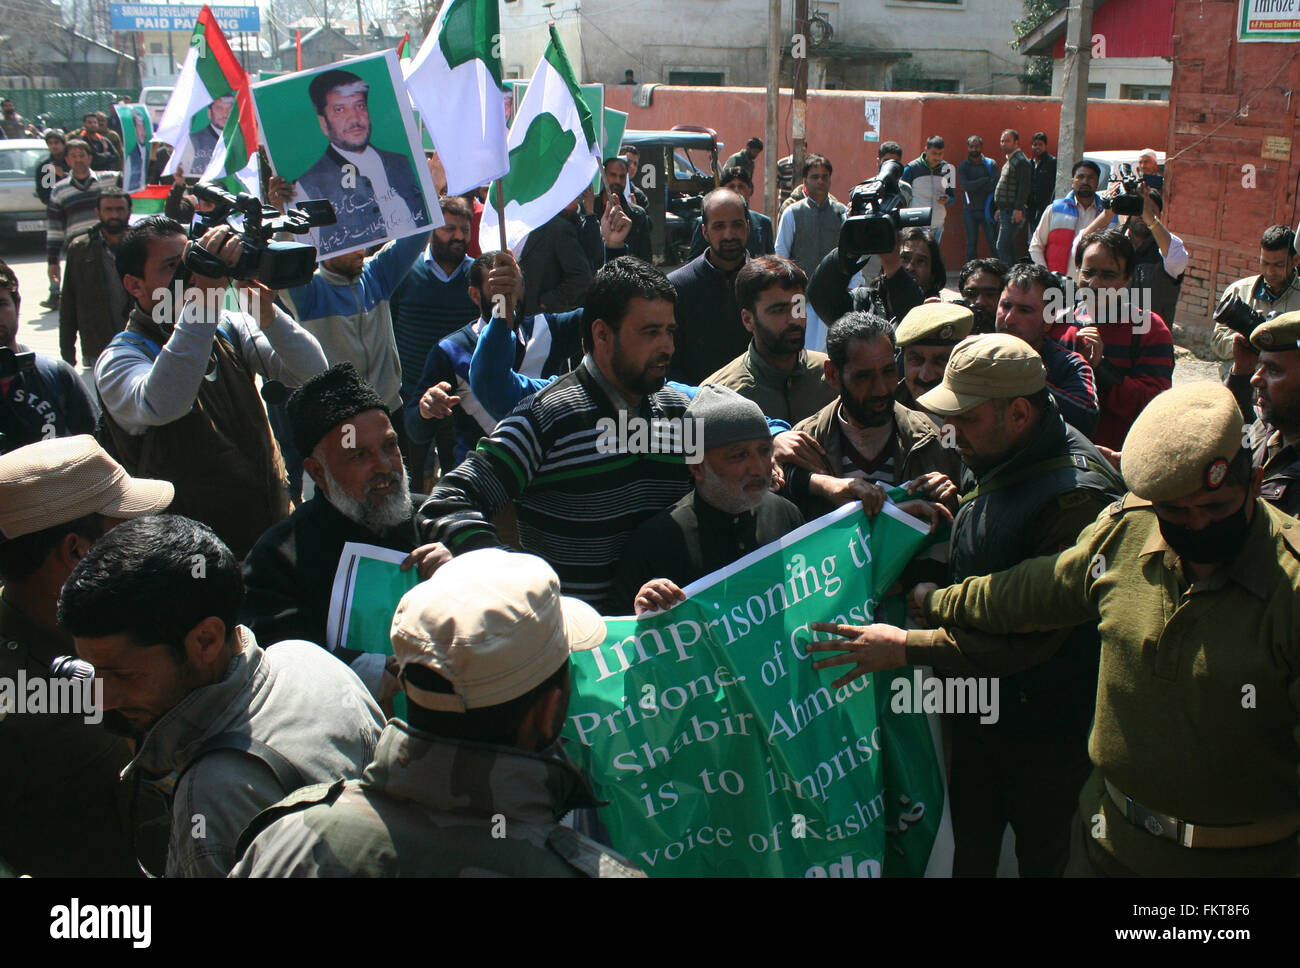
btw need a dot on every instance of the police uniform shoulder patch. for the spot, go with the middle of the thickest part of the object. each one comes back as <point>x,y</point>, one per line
<point>308,796</point>
<point>1215,473</point>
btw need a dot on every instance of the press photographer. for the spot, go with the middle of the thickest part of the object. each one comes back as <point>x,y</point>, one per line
<point>1275,290</point>
<point>1161,256</point>
<point>178,385</point>
<point>877,210</point>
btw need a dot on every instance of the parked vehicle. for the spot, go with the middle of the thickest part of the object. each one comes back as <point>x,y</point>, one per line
<point>1109,159</point>
<point>155,99</point>
<point>676,183</point>
<point>22,216</point>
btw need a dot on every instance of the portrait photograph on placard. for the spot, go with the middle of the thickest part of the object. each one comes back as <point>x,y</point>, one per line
<point>345,133</point>
<point>137,132</point>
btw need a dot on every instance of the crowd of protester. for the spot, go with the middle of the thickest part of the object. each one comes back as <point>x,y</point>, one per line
<point>444,404</point>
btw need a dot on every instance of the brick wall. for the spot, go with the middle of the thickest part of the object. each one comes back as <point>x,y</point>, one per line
<point>1218,216</point>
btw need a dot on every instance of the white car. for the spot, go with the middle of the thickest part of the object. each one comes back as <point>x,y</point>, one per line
<point>155,99</point>
<point>22,214</point>
<point>1109,159</point>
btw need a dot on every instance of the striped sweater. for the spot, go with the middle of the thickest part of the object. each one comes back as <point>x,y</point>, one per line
<point>73,209</point>
<point>577,507</point>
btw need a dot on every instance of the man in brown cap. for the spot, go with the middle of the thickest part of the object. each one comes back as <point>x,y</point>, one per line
<point>476,784</point>
<point>63,812</point>
<point>1270,363</point>
<point>1196,587</point>
<point>1032,483</point>
<point>925,339</point>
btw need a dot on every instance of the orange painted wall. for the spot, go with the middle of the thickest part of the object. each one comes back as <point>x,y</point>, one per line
<point>835,126</point>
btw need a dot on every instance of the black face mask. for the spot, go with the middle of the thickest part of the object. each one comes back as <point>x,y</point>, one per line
<point>1212,545</point>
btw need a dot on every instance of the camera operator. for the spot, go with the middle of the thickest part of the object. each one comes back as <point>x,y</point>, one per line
<point>1274,290</point>
<point>178,386</point>
<point>1161,256</point>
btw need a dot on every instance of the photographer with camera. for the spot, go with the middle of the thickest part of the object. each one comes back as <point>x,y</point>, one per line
<point>1275,290</point>
<point>876,213</point>
<point>40,397</point>
<point>178,385</point>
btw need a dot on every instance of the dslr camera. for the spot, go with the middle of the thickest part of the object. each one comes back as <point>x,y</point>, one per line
<point>1131,202</point>
<point>277,265</point>
<point>1235,313</point>
<point>876,212</point>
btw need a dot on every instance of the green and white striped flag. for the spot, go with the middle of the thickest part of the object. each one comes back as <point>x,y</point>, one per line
<point>211,71</point>
<point>455,84</point>
<point>554,152</point>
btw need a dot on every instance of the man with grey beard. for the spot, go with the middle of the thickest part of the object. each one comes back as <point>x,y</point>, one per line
<point>730,512</point>
<point>361,495</point>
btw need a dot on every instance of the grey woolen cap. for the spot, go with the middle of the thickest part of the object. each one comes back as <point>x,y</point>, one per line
<point>726,417</point>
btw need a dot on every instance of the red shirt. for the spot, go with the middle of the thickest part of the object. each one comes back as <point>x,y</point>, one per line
<point>1137,363</point>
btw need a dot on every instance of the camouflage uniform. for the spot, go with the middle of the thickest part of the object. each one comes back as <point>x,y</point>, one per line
<point>429,806</point>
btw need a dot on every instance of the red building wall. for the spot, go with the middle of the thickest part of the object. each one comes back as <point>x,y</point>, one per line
<point>1212,206</point>
<point>835,126</point>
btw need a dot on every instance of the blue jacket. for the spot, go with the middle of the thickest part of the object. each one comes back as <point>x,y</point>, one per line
<point>350,318</point>
<point>550,347</point>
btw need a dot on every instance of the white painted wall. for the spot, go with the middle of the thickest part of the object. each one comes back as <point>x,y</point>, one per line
<point>1115,72</point>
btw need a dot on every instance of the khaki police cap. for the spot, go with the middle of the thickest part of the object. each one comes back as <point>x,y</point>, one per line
<point>939,322</point>
<point>60,480</point>
<point>1182,441</point>
<point>1282,332</point>
<point>492,623</point>
<point>991,366</point>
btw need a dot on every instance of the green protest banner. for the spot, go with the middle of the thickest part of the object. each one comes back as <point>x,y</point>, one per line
<point>723,753</point>
<point>368,584</point>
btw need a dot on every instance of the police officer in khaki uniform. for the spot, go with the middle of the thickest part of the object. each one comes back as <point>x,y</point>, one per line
<point>925,339</point>
<point>1275,436</point>
<point>1196,586</point>
<point>475,784</point>
<point>1032,483</point>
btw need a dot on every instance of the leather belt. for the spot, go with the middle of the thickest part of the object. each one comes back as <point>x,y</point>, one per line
<point>1186,834</point>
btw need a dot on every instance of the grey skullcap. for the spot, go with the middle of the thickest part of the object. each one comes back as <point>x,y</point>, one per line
<point>726,417</point>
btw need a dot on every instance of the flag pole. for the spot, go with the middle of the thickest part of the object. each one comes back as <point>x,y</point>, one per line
<point>501,215</point>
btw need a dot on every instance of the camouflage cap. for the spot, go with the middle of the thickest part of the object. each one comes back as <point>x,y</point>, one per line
<point>492,623</point>
<point>990,366</point>
<point>1182,441</point>
<point>936,324</point>
<point>1282,332</point>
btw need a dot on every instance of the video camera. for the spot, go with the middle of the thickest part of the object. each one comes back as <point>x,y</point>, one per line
<point>1131,202</point>
<point>876,213</point>
<point>1235,313</point>
<point>277,265</point>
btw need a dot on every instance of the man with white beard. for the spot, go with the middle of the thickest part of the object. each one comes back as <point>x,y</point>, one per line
<point>730,512</point>
<point>361,495</point>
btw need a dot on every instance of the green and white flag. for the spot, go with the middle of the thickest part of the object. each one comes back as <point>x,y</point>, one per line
<point>211,71</point>
<point>554,152</point>
<point>455,84</point>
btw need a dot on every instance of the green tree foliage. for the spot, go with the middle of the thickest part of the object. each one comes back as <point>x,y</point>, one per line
<point>1037,77</point>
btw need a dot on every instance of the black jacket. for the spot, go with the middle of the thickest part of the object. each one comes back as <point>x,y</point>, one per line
<point>556,267</point>
<point>892,297</point>
<point>709,331</point>
<point>289,573</point>
<point>693,539</point>
<point>638,240</point>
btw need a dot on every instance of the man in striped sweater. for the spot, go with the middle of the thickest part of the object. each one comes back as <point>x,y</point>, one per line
<point>1129,348</point>
<point>73,206</point>
<point>582,488</point>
